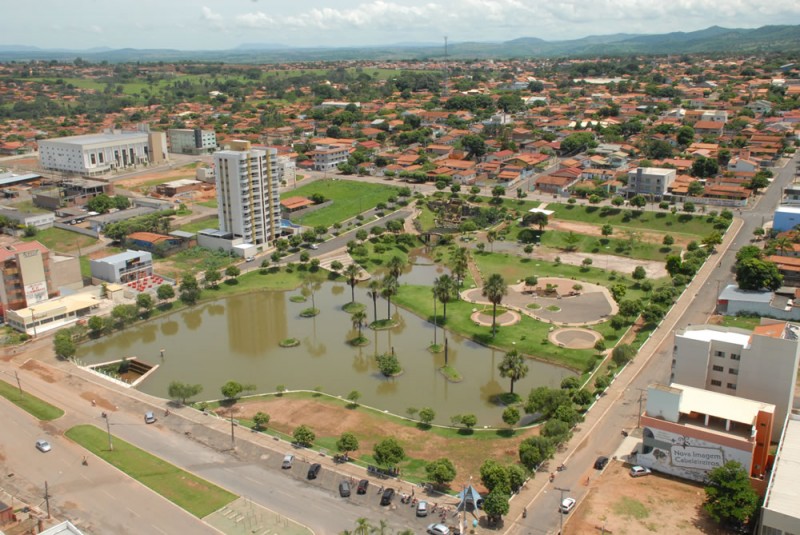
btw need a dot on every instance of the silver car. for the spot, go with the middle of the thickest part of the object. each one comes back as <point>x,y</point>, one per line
<point>43,446</point>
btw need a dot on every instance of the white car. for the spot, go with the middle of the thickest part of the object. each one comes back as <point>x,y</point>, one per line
<point>567,505</point>
<point>639,471</point>
<point>43,446</point>
<point>422,508</point>
<point>438,529</point>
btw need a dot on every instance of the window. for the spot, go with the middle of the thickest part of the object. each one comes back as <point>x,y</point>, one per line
<point>732,386</point>
<point>716,383</point>
<point>734,356</point>
<point>719,354</point>
<point>733,371</point>
<point>718,368</point>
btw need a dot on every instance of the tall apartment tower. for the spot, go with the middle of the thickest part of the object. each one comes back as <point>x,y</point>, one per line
<point>247,192</point>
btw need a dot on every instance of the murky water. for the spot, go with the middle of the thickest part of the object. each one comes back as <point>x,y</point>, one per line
<point>237,339</point>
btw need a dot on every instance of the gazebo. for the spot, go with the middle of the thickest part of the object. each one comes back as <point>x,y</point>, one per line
<point>469,499</point>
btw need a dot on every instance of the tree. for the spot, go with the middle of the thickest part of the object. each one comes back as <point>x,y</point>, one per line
<point>536,218</point>
<point>373,292</point>
<point>685,136</point>
<point>347,442</point>
<point>389,288</point>
<point>182,391</point>
<point>97,325</point>
<point>494,475</point>
<point>639,273</point>
<point>557,430</point>
<point>513,367</point>
<point>212,277</point>
<point>441,471</point>
<point>758,181</point>
<point>145,302</point>
<point>358,318</point>
<point>388,452</point>
<point>545,401</point>
<point>730,499</point>
<point>704,167</point>
<point>353,397</point>
<point>756,274</point>
<point>511,416</point>
<point>304,436</point>
<point>232,272</point>
<point>474,145</point>
<point>468,420</point>
<point>495,505</point>
<point>388,364</point>
<point>668,240</point>
<point>491,236</point>
<point>534,451</point>
<point>607,230</point>
<point>444,288</point>
<point>395,265</point>
<point>623,353</point>
<point>351,272</point>
<point>426,415</point>
<point>233,389</point>
<point>459,263</point>
<point>260,419</point>
<point>189,289</point>
<point>64,345</point>
<point>638,201</point>
<point>494,290</point>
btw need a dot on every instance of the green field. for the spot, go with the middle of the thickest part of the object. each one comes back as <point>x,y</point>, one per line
<point>613,246</point>
<point>194,494</point>
<point>688,224</point>
<point>200,224</point>
<point>57,239</point>
<point>349,198</point>
<point>36,407</point>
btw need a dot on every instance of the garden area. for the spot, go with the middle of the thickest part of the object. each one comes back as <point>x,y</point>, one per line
<point>349,199</point>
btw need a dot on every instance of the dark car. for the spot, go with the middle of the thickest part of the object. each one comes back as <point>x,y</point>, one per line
<point>362,486</point>
<point>387,496</point>
<point>313,470</point>
<point>600,462</point>
<point>344,489</point>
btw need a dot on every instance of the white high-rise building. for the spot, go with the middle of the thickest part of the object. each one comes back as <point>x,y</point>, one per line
<point>248,198</point>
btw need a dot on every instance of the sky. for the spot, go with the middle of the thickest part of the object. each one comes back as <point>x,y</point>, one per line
<point>225,24</point>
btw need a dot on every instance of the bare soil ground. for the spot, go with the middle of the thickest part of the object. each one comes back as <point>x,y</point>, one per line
<point>641,506</point>
<point>329,419</point>
<point>590,229</point>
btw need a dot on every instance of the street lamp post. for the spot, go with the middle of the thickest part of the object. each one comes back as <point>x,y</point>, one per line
<point>108,429</point>
<point>561,514</point>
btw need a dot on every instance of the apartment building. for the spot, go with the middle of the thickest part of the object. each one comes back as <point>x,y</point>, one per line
<point>650,181</point>
<point>760,365</point>
<point>27,276</point>
<point>95,154</point>
<point>191,141</point>
<point>328,157</point>
<point>248,183</point>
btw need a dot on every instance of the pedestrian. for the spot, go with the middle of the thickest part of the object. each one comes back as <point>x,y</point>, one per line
<point>412,492</point>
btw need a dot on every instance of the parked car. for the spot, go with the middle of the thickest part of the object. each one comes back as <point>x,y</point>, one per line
<point>438,529</point>
<point>639,471</point>
<point>313,470</point>
<point>249,258</point>
<point>362,486</point>
<point>149,417</point>
<point>43,446</point>
<point>287,461</point>
<point>600,462</point>
<point>567,505</point>
<point>422,508</point>
<point>386,497</point>
<point>344,489</point>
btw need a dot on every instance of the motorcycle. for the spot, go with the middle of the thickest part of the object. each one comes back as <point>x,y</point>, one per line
<point>624,433</point>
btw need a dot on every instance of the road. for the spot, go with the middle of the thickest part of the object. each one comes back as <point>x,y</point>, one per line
<point>600,434</point>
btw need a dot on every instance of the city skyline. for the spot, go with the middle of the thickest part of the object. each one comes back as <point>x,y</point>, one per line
<point>191,25</point>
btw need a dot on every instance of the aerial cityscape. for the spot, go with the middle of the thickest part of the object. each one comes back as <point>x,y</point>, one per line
<point>370,267</point>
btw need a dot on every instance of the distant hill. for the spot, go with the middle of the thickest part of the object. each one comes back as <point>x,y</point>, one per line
<point>710,40</point>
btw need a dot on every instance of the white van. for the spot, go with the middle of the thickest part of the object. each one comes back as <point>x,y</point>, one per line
<point>287,461</point>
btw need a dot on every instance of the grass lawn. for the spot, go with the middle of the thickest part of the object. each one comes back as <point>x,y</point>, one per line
<point>349,198</point>
<point>209,204</point>
<point>62,240</point>
<point>28,206</point>
<point>197,496</point>
<point>200,224</point>
<point>36,407</point>
<point>688,224</point>
<point>742,322</point>
<point>275,279</point>
<point>11,337</point>
<point>641,250</point>
<point>193,259</point>
<point>375,260</point>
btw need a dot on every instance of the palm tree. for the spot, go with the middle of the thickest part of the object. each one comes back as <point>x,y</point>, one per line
<point>388,289</point>
<point>395,266</point>
<point>783,244</point>
<point>363,527</point>
<point>352,272</point>
<point>513,367</point>
<point>490,237</point>
<point>494,290</point>
<point>374,292</point>
<point>443,290</point>
<point>459,263</point>
<point>358,318</point>
<point>380,529</point>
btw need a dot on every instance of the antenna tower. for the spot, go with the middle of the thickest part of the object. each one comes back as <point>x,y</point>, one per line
<point>445,72</point>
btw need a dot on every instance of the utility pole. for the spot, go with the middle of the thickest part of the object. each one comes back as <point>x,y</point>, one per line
<point>108,429</point>
<point>560,514</point>
<point>233,444</point>
<point>47,499</point>
<point>445,350</point>
<point>19,385</point>
<point>639,419</point>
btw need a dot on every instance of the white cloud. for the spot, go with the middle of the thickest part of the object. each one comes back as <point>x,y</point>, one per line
<point>210,16</point>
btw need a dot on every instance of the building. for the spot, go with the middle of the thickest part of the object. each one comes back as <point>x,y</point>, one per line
<point>53,314</point>
<point>95,154</point>
<point>785,218</point>
<point>328,157</point>
<point>687,432</point>
<point>191,141</point>
<point>760,365</point>
<point>27,276</point>
<point>182,185</point>
<point>126,267</point>
<point>650,181</point>
<point>780,513</point>
<point>248,182</point>
<point>39,221</point>
<point>733,301</point>
<point>69,192</point>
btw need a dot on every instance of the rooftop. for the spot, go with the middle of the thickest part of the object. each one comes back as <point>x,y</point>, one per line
<point>88,139</point>
<point>123,257</point>
<point>10,251</point>
<point>783,493</point>
<point>720,405</point>
<point>720,334</point>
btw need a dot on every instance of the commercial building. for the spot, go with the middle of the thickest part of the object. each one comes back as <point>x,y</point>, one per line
<point>39,221</point>
<point>96,154</point>
<point>328,157</point>
<point>786,217</point>
<point>650,181</point>
<point>126,267</point>
<point>191,141</point>
<point>53,314</point>
<point>688,432</point>
<point>760,365</point>
<point>780,514</point>
<point>248,182</point>
<point>27,276</point>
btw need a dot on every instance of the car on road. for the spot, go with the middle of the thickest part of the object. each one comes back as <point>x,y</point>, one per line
<point>362,486</point>
<point>438,529</point>
<point>249,258</point>
<point>314,246</point>
<point>422,508</point>
<point>567,505</point>
<point>386,497</point>
<point>600,462</point>
<point>287,461</point>
<point>313,470</point>
<point>639,471</point>
<point>149,417</point>
<point>344,489</point>
<point>43,446</point>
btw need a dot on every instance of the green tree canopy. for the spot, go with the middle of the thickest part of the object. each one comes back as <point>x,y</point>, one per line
<point>755,274</point>
<point>388,452</point>
<point>441,471</point>
<point>730,499</point>
<point>179,391</point>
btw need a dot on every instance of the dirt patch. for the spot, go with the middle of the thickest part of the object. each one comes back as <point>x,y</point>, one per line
<point>328,419</point>
<point>39,370</point>
<point>574,338</point>
<point>99,401</point>
<point>579,227</point>
<point>641,506</point>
